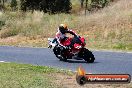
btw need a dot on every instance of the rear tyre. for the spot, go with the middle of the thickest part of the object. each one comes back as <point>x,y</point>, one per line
<point>88,56</point>
<point>58,53</point>
<point>63,59</point>
<point>63,56</point>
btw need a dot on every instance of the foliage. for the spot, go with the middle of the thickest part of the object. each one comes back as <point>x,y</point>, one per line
<point>94,4</point>
<point>97,4</point>
<point>13,4</point>
<point>52,6</point>
<point>2,23</point>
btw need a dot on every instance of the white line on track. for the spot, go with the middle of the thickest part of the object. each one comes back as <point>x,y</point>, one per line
<point>2,61</point>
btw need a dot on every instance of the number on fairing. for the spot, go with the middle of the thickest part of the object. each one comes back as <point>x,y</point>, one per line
<point>78,47</point>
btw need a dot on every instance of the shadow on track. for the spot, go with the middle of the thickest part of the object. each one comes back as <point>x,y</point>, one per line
<point>80,61</point>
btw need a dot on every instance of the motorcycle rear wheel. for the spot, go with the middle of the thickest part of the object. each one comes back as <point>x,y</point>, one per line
<point>57,51</point>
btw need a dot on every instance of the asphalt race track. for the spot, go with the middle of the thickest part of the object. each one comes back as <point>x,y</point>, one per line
<point>106,61</point>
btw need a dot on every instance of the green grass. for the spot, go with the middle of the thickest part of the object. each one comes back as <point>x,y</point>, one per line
<point>14,75</point>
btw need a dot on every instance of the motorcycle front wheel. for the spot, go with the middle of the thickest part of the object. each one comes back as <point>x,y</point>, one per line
<point>88,56</point>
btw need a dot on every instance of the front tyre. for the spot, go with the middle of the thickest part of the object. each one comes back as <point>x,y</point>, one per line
<point>88,56</point>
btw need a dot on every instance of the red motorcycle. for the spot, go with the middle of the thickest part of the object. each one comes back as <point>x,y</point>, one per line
<point>77,50</point>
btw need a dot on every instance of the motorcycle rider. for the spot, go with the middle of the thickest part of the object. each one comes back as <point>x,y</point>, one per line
<point>61,35</point>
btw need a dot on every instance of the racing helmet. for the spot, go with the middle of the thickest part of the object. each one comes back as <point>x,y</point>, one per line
<point>63,28</point>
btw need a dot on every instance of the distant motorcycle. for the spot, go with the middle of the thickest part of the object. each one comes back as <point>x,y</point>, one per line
<point>77,51</point>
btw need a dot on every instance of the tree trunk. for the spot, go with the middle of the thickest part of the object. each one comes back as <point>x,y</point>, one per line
<point>82,3</point>
<point>86,7</point>
<point>3,3</point>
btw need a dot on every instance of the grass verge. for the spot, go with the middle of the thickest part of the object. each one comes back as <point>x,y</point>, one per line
<point>14,75</point>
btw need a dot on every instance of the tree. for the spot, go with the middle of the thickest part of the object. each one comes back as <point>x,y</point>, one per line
<point>50,6</point>
<point>2,4</point>
<point>43,6</point>
<point>13,4</point>
<point>81,1</point>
